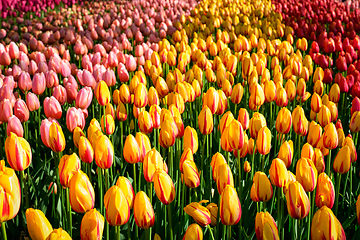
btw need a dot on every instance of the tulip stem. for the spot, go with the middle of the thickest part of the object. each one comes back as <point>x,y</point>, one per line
<point>118,235</point>
<point>202,166</point>
<point>351,181</point>
<point>279,212</point>
<point>212,235</point>
<point>134,178</point>
<point>229,232</point>
<point>338,180</point>
<point>25,189</point>
<point>69,212</point>
<point>328,164</point>
<point>263,163</point>
<point>89,171</point>
<point>309,218</point>
<point>239,166</point>
<point>252,162</point>
<point>100,189</point>
<point>170,222</point>
<point>3,231</point>
<point>224,232</point>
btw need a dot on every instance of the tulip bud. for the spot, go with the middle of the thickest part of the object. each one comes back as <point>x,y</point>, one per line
<point>326,226</point>
<point>18,152</point>
<point>306,174</point>
<point>261,189</point>
<point>325,194</point>
<point>330,137</point>
<point>224,177</point>
<point>213,209</point>
<point>143,211</point>
<point>59,234</point>
<point>104,152</point>
<point>164,187</point>
<point>216,161</point>
<point>205,120</point>
<point>131,150</point>
<point>68,166</point>
<point>107,124</point>
<point>191,175</point>
<point>193,232</point>
<point>355,122</point>
<point>190,139</point>
<point>38,225</point>
<point>124,184</point>
<point>265,226</point>
<point>283,121</point>
<point>247,167</point>
<point>315,133</point>
<point>342,161</point>
<point>92,225</point>
<point>81,193</point>
<point>52,108</point>
<point>143,143</point>
<point>102,93</point>
<point>278,173</point>
<point>117,207</point>
<point>300,123</point>
<point>167,135</point>
<point>56,138</point>
<point>237,94</point>
<point>200,214</point>
<point>286,152</point>
<point>236,135</point>
<point>263,141</point>
<point>256,123</point>
<point>297,201</point>
<point>230,207</point>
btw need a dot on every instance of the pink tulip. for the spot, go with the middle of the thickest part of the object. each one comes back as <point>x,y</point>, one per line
<point>51,79</point>
<point>21,111</point>
<point>65,68</point>
<point>130,63</point>
<point>13,51</point>
<point>84,98</point>
<point>109,77</point>
<point>123,73</point>
<point>139,51</point>
<point>44,130</point>
<point>9,81</point>
<point>5,59</point>
<point>14,126</point>
<point>112,60</point>
<point>32,101</point>
<point>38,83</point>
<point>33,67</point>
<point>60,94</point>
<point>75,118</point>
<point>6,110</point>
<point>52,108</point>
<point>86,79</point>
<point>24,82</point>
<point>55,64</point>
<point>42,67</point>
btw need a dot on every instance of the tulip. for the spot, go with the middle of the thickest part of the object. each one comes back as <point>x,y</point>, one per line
<point>256,123</point>
<point>325,194</point>
<point>117,207</point>
<point>6,110</point>
<point>18,152</point>
<point>315,133</point>
<point>191,175</point>
<point>167,135</point>
<point>316,102</point>
<point>152,162</point>
<point>32,102</point>
<point>92,225</point>
<point>261,189</point>
<point>205,120</point>
<point>265,226</point>
<point>211,100</point>
<point>263,141</point>
<point>10,193</point>
<point>104,152</point>
<point>230,207</point>
<point>21,111</point>
<point>140,96</point>
<point>237,93</point>
<point>349,142</point>
<point>131,151</point>
<point>143,211</point>
<point>283,121</point>
<point>190,139</point>
<point>306,174</point>
<point>326,226</point>
<point>286,152</point>
<point>297,201</point>
<point>200,214</point>
<point>213,209</point>
<point>247,167</point>
<point>124,94</point>
<point>102,93</point>
<point>193,232</point>
<point>358,209</point>
<point>236,135</point>
<point>243,118</point>
<point>164,187</point>
<point>82,195</point>
<point>37,224</point>
<point>124,184</point>
<point>86,151</point>
<point>278,173</point>
<point>52,108</point>
<point>75,118</point>
<point>68,166</point>
<point>342,161</point>
<point>257,96</point>
<point>107,124</point>
<point>38,83</point>
<point>224,177</point>
<point>14,126</point>
<point>76,136</point>
<point>355,122</point>
<point>143,143</point>
<point>84,98</point>
<point>307,151</point>
<point>56,138</point>
<point>58,234</point>
<point>330,137</point>
<point>225,121</point>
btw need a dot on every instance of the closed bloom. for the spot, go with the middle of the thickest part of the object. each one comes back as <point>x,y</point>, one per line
<point>193,232</point>
<point>213,208</point>
<point>191,174</point>
<point>75,118</point>
<point>224,177</point>
<point>349,141</point>
<point>107,124</point>
<point>164,187</point>
<point>247,167</point>
<point>190,139</point>
<point>140,96</point>
<point>316,102</point>
<point>38,225</point>
<point>84,98</point>
<point>306,174</point>
<point>297,201</point>
<point>237,93</point>
<point>325,194</point>
<point>256,123</point>
<point>117,207</point>
<point>32,101</point>
<point>143,143</point>
<point>205,120</point>
<point>92,225</point>
<point>358,209</point>
<point>199,213</point>
<point>69,164</point>
<point>236,135</point>
<point>243,118</point>
<point>21,111</point>
<point>324,116</point>
<point>145,122</point>
<point>261,189</point>
<point>82,195</point>
<point>300,123</point>
<point>230,206</point>
<point>14,126</point>
<point>56,138</point>
<point>283,121</point>
<point>143,211</point>
<point>52,108</point>
<point>325,225</point>
<point>330,137</point>
<point>18,152</point>
<point>265,226</point>
<point>225,121</point>
<point>342,161</point>
<point>315,132</point>
<point>355,122</point>
<point>167,134</point>
<point>131,150</point>
<point>10,193</point>
<point>211,100</point>
<point>152,162</point>
<point>263,141</point>
<point>59,234</point>
<point>86,151</point>
<point>278,173</point>
<point>102,93</point>
<point>125,185</point>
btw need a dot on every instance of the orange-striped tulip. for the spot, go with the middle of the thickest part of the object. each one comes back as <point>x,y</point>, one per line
<point>211,100</point>
<point>261,189</point>
<point>349,142</point>
<point>191,174</point>
<point>131,151</point>
<point>237,93</point>
<point>168,134</point>
<point>330,137</point>
<point>69,164</point>
<point>324,116</point>
<point>124,94</point>
<point>256,123</point>
<point>286,152</point>
<point>140,96</point>
<point>306,174</point>
<point>143,143</point>
<point>18,152</point>
<point>225,121</point>
<point>244,118</point>
<point>316,102</point>
<point>236,135</point>
<point>265,226</point>
<point>278,173</point>
<point>104,152</point>
<point>205,121</point>
<point>117,207</point>
<point>164,187</point>
<point>300,123</point>
<point>82,195</point>
<point>187,154</point>
<point>38,225</point>
<point>325,193</point>
<point>59,234</point>
<point>125,185</point>
<point>354,124</point>
<point>193,232</point>
<point>121,113</point>
<point>307,151</point>
<point>190,139</point>
<point>315,132</point>
<point>56,138</point>
<point>216,161</point>
<point>297,201</point>
<point>145,122</point>
<point>325,225</point>
<point>199,213</point>
<point>102,93</point>
<point>92,225</point>
<point>224,177</point>
<point>143,211</point>
<point>213,209</point>
<point>263,141</point>
<point>283,121</point>
<point>76,136</point>
<point>342,161</point>
<point>86,152</point>
<point>107,124</point>
<point>10,193</point>
<point>230,206</point>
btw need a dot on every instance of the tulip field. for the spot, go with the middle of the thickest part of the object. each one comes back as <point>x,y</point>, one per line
<point>179,119</point>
